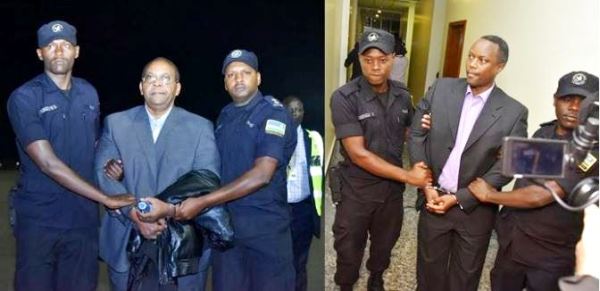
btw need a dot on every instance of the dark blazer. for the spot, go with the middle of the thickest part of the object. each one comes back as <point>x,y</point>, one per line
<point>315,216</point>
<point>501,116</point>
<point>186,142</point>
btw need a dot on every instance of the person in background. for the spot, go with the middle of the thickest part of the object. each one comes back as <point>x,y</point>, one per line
<point>304,188</point>
<point>400,62</point>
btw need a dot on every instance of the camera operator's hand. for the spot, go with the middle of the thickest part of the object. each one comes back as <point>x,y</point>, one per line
<point>481,189</point>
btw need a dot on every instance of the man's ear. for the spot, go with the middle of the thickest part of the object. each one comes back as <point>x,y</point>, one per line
<point>39,54</point>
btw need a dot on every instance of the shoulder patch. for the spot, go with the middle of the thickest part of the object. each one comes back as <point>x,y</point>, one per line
<point>275,127</point>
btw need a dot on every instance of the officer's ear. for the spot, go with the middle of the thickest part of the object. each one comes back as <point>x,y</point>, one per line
<point>141,90</point>
<point>257,79</point>
<point>76,51</point>
<point>39,54</point>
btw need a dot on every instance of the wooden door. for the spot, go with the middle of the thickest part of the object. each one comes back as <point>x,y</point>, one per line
<point>454,47</point>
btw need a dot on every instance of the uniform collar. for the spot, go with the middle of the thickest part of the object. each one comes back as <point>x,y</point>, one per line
<point>257,98</point>
<point>368,94</point>
<point>50,87</point>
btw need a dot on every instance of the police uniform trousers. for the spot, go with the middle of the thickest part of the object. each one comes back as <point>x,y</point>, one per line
<point>511,275</point>
<point>442,265</point>
<point>302,228</point>
<point>354,221</point>
<point>57,259</point>
<point>258,263</point>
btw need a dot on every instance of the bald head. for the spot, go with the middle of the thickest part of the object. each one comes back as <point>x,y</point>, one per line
<point>163,60</point>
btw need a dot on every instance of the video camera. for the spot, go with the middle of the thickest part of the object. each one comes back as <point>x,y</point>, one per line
<point>536,158</point>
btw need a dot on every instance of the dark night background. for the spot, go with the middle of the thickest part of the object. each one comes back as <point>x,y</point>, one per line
<point>118,37</point>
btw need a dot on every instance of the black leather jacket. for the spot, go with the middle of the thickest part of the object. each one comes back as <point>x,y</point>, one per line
<point>181,243</point>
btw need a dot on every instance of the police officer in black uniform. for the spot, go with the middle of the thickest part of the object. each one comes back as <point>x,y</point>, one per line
<point>537,236</point>
<point>55,118</point>
<point>371,115</point>
<point>256,138</point>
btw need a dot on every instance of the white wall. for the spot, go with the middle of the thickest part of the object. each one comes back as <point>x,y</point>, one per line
<point>337,15</point>
<point>546,38</point>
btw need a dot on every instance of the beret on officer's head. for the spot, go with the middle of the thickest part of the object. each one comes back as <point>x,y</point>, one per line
<point>56,29</point>
<point>376,38</point>
<point>577,83</point>
<point>244,56</point>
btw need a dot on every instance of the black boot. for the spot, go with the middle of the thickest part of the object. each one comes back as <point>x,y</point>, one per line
<point>345,287</point>
<point>375,282</point>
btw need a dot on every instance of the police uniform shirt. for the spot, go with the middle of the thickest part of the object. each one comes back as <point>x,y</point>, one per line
<point>261,128</point>
<point>545,237</point>
<point>39,110</point>
<point>357,111</point>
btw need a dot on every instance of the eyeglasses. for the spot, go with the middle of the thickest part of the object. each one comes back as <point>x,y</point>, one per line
<point>163,80</point>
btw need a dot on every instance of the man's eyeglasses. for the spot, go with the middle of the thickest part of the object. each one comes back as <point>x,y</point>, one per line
<point>163,80</point>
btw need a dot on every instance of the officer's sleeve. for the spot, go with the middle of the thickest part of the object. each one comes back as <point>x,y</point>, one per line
<point>25,119</point>
<point>411,112</point>
<point>344,117</point>
<point>106,150</point>
<point>206,154</point>
<point>417,138</point>
<point>275,137</point>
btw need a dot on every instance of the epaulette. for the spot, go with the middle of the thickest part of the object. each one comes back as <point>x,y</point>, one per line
<point>398,85</point>
<point>273,101</point>
<point>349,88</point>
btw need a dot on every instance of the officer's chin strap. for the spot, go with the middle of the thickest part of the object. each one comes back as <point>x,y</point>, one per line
<point>593,197</point>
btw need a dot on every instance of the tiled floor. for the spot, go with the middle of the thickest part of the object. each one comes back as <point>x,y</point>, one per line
<point>401,275</point>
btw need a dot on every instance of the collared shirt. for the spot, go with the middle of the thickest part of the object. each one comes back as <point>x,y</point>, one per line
<point>471,109</point>
<point>356,111</point>
<point>156,124</point>
<point>39,110</point>
<point>545,237</point>
<point>261,128</point>
<point>297,179</point>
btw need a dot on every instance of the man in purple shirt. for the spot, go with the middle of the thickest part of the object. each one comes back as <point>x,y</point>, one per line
<point>469,119</point>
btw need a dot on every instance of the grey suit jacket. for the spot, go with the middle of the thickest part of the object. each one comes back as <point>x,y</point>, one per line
<point>501,116</point>
<point>186,142</point>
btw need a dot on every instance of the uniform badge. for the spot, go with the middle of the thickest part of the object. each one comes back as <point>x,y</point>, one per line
<point>373,36</point>
<point>48,108</point>
<point>578,79</point>
<point>236,54</point>
<point>57,27</point>
<point>275,127</point>
<point>366,115</point>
